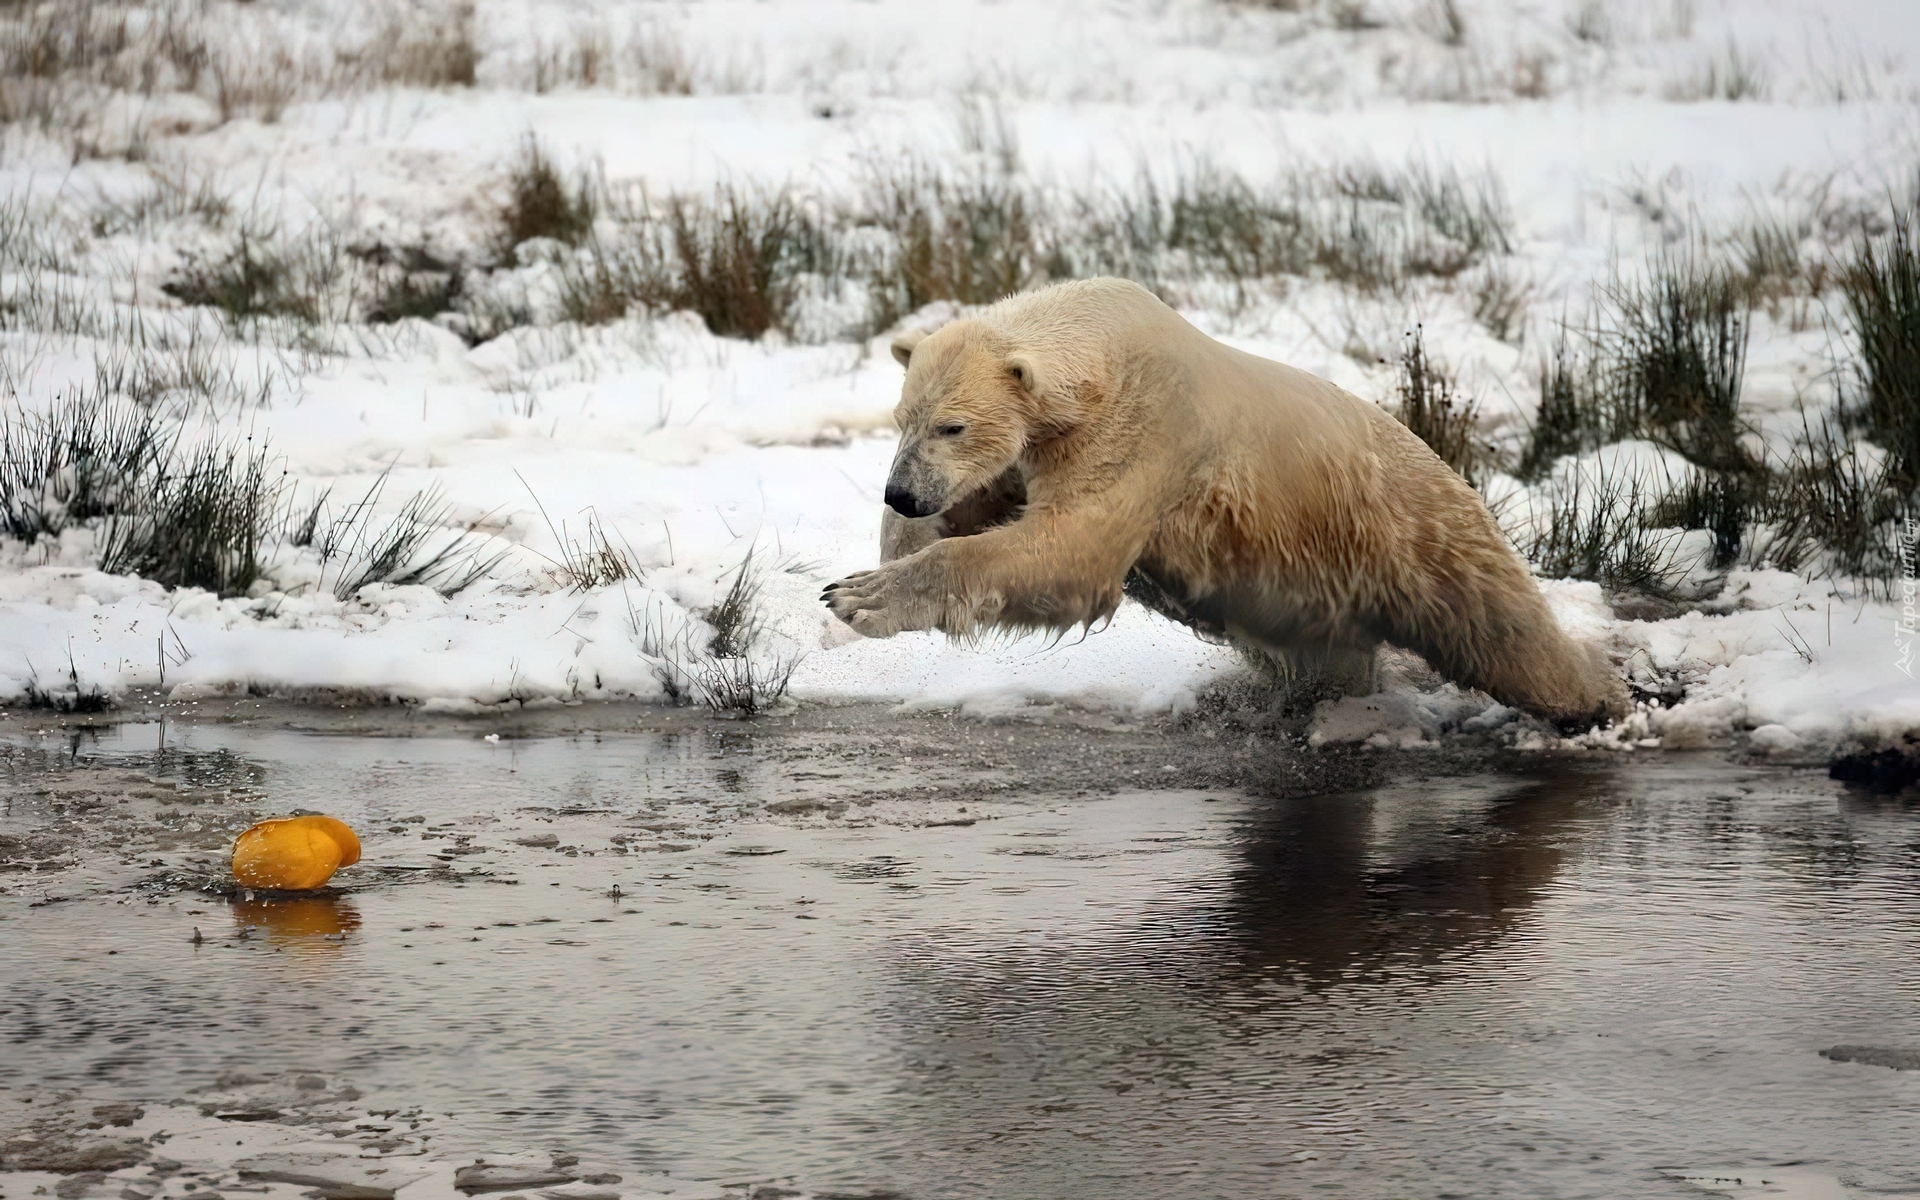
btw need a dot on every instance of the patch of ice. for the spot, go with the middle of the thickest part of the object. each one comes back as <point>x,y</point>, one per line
<point>1404,718</point>
<point>1776,739</point>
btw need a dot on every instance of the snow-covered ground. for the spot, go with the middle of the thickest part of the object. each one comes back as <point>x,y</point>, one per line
<point>1606,122</point>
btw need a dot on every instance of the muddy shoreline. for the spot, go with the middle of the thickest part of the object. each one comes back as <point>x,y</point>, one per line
<point>1052,748</point>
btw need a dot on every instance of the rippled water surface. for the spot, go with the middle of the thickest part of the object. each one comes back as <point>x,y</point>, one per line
<point>1572,983</point>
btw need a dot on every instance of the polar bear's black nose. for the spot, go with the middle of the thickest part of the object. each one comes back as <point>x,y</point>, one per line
<point>905,502</point>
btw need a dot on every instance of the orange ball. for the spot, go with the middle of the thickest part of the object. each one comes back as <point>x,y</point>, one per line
<point>293,853</point>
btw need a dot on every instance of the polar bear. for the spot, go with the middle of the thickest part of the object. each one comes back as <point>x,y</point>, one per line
<point>1066,446</point>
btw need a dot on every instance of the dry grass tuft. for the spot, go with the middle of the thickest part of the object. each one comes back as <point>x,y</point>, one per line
<point>308,278</point>
<point>1596,527</point>
<point>744,257</point>
<point>543,204</point>
<point>416,45</point>
<point>1730,75</point>
<point>1880,285</point>
<point>1429,403</point>
<point>737,258</point>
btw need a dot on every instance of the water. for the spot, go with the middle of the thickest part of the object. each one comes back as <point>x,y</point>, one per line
<point>1570,982</point>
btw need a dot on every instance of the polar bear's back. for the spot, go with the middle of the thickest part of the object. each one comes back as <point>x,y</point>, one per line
<point>1255,404</point>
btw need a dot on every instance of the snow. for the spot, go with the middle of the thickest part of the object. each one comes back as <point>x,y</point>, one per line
<point>693,450</point>
<point>1791,657</point>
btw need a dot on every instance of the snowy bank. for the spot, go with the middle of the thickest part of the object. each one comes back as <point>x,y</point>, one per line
<point>1598,134</point>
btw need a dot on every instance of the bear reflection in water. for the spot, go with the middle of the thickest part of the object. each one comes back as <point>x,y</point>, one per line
<point>1320,894</point>
<point>1320,889</point>
<point>1339,949</point>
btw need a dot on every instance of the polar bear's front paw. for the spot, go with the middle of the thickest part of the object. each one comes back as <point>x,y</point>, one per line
<point>878,603</point>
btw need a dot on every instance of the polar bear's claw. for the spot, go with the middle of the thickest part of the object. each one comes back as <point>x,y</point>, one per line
<point>880,603</point>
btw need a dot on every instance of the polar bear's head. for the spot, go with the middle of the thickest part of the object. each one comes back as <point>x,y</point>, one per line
<point>969,409</point>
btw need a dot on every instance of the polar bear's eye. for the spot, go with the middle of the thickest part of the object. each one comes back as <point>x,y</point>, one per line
<point>951,430</point>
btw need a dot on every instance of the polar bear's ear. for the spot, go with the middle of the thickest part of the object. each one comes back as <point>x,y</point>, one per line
<point>1025,373</point>
<point>904,344</point>
<point>1056,408</point>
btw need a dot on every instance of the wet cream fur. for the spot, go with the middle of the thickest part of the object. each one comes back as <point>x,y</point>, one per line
<point>1260,501</point>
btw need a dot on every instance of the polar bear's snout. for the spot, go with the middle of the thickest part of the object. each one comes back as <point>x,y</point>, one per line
<point>913,488</point>
<point>905,503</point>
